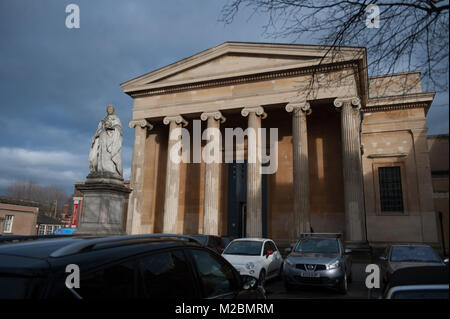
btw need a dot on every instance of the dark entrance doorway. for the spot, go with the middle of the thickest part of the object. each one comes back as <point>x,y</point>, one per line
<point>237,200</point>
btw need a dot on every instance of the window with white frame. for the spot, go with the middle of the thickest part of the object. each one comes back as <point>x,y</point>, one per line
<point>41,230</point>
<point>7,224</point>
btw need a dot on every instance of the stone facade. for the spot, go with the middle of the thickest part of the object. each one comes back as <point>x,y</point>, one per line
<point>438,148</point>
<point>23,220</point>
<point>336,127</point>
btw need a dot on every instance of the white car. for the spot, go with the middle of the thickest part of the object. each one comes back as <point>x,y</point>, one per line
<point>256,257</point>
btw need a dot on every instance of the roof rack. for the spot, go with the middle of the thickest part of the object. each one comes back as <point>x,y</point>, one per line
<point>79,246</point>
<point>17,238</point>
<point>335,235</point>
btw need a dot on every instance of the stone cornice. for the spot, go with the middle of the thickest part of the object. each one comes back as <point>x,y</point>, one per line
<point>396,107</point>
<point>245,79</point>
<point>400,102</point>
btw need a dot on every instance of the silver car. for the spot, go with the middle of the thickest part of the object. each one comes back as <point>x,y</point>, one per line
<point>319,260</point>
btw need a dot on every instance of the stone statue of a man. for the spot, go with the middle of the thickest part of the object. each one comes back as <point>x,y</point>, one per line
<point>105,156</point>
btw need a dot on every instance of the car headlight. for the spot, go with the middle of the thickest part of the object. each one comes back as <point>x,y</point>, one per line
<point>288,263</point>
<point>333,265</point>
<point>250,265</point>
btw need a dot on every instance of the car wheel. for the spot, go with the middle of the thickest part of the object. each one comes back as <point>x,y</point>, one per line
<point>262,277</point>
<point>342,286</point>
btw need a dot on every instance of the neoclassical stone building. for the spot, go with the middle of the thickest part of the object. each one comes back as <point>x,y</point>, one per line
<point>352,152</point>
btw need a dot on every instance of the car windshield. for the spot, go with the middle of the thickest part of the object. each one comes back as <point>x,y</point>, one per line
<point>413,254</point>
<point>201,238</point>
<point>244,247</point>
<point>317,245</point>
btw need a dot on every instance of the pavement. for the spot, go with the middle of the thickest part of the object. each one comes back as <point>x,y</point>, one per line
<point>356,290</point>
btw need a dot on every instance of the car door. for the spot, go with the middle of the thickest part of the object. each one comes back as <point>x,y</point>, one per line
<point>168,275</point>
<point>277,255</point>
<point>119,280</point>
<point>269,260</point>
<point>216,277</point>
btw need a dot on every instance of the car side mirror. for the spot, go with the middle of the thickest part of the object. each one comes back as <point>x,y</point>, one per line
<point>249,282</point>
<point>288,250</point>
<point>383,258</point>
<point>348,251</point>
<point>222,250</point>
<point>269,252</point>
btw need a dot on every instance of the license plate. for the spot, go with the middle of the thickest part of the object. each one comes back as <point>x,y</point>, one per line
<point>310,274</point>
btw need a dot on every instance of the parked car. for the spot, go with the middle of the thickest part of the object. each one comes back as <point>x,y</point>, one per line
<point>213,242</point>
<point>257,257</point>
<point>423,282</point>
<point>227,240</point>
<point>318,259</point>
<point>141,266</point>
<point>403,256</point>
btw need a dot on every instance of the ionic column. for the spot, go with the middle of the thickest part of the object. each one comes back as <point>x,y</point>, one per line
<point>212,179</point>
<point>254,178</point>
<point>137,175</point>
<point>172,178</point>
<point>302,218</point>
<point>355,231</point>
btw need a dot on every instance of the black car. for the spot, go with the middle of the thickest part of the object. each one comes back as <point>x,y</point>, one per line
<point>419,282</point>
<point>227,240</point>
<point>211,241</point>
<point>139,266</point>
<point>404,256</point>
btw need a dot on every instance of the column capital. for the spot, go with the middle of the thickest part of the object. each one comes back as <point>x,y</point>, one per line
<point>217,115</point>
<point>258,110</point>
<point>178,119</point>
<point>354,101</point>
<point>299,106</point>
<point>143,123</point>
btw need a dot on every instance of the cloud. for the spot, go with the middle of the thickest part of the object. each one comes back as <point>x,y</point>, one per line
<point>56,82</point>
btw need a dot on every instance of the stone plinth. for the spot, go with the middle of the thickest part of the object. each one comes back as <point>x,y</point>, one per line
<point>104,200</point>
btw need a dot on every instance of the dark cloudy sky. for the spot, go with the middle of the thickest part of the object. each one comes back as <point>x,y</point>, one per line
<point>56,82</point>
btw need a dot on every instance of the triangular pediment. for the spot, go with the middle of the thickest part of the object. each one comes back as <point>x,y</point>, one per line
<point>235,59</point>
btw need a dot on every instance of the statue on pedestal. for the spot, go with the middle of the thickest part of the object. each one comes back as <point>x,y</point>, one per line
<point>105,156</point>
<point>104,193</point>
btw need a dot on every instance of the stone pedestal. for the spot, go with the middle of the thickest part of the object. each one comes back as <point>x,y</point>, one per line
<point>104,202</point>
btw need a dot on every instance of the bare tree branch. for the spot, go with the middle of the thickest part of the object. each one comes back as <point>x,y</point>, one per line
<point>412,35</point>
